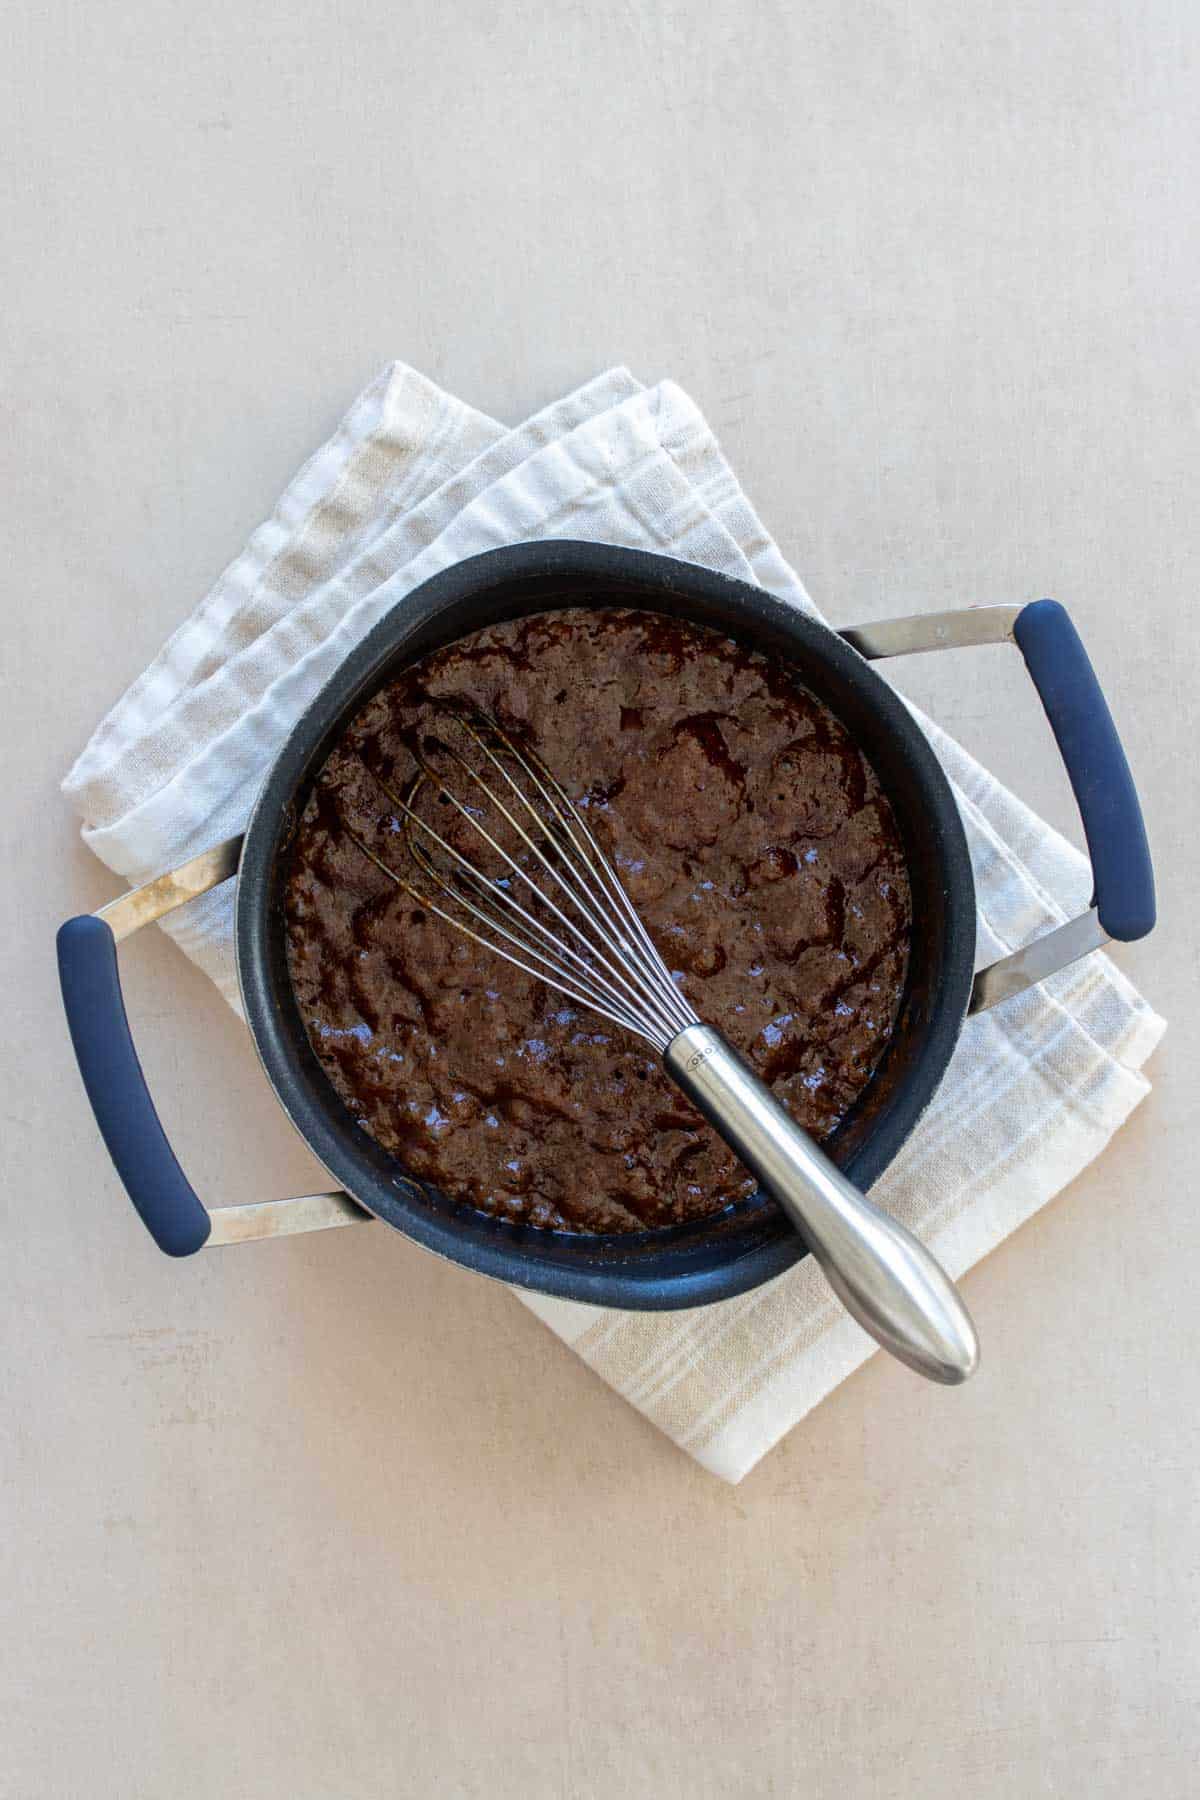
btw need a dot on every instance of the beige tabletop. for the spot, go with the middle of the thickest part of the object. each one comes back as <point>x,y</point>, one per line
<point>326,1518</point>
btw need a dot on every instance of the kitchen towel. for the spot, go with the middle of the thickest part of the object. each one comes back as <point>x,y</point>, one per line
<point>414,480</point>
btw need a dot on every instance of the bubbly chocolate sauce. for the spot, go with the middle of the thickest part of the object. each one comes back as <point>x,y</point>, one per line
<point>747,828</point>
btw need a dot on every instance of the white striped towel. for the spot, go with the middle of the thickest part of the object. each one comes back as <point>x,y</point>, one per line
<point>414,480</point>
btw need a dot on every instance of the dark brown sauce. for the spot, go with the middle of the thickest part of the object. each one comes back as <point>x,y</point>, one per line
<point>749,831</point>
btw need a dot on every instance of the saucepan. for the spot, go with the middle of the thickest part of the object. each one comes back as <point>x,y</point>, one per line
<point>735,1250</point>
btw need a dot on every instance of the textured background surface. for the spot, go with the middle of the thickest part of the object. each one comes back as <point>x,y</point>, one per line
<point>326,1518</point>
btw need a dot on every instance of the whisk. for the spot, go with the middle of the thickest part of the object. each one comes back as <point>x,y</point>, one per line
<point>555,907</point>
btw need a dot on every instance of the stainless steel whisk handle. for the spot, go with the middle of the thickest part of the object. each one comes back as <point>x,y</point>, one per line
<point>884,1277</point>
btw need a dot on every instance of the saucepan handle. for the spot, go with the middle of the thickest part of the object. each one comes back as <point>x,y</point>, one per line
<point>112,1076</point>
<point>129,1124</point>
<point>1123,904</point>
<point>1109,808</point>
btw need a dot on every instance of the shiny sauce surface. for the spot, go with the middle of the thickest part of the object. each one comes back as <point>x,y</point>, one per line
<point>750,833</point>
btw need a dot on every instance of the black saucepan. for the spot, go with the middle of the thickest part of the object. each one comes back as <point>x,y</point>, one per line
<point>685,1265</point>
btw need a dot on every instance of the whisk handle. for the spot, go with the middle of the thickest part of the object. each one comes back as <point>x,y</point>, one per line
<point>884,1277</point>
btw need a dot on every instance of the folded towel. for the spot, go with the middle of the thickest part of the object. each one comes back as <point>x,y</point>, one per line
<point>414,480</point>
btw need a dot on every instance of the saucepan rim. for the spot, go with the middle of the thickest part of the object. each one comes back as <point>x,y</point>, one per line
<point>685,1266</point>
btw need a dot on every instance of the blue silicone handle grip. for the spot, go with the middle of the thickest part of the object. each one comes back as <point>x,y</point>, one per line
<point>116,1087</point>
<point>1108,804</point>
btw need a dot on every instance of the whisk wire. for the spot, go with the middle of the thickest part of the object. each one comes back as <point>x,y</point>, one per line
<point>612,965</point>
<point>582,974</point>
<point>644,961</point>
<point>547,973</point>
<point>642,950</point>
<point>630,997</point>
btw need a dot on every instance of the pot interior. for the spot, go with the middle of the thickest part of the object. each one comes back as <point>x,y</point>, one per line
<point>735,1250</point>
